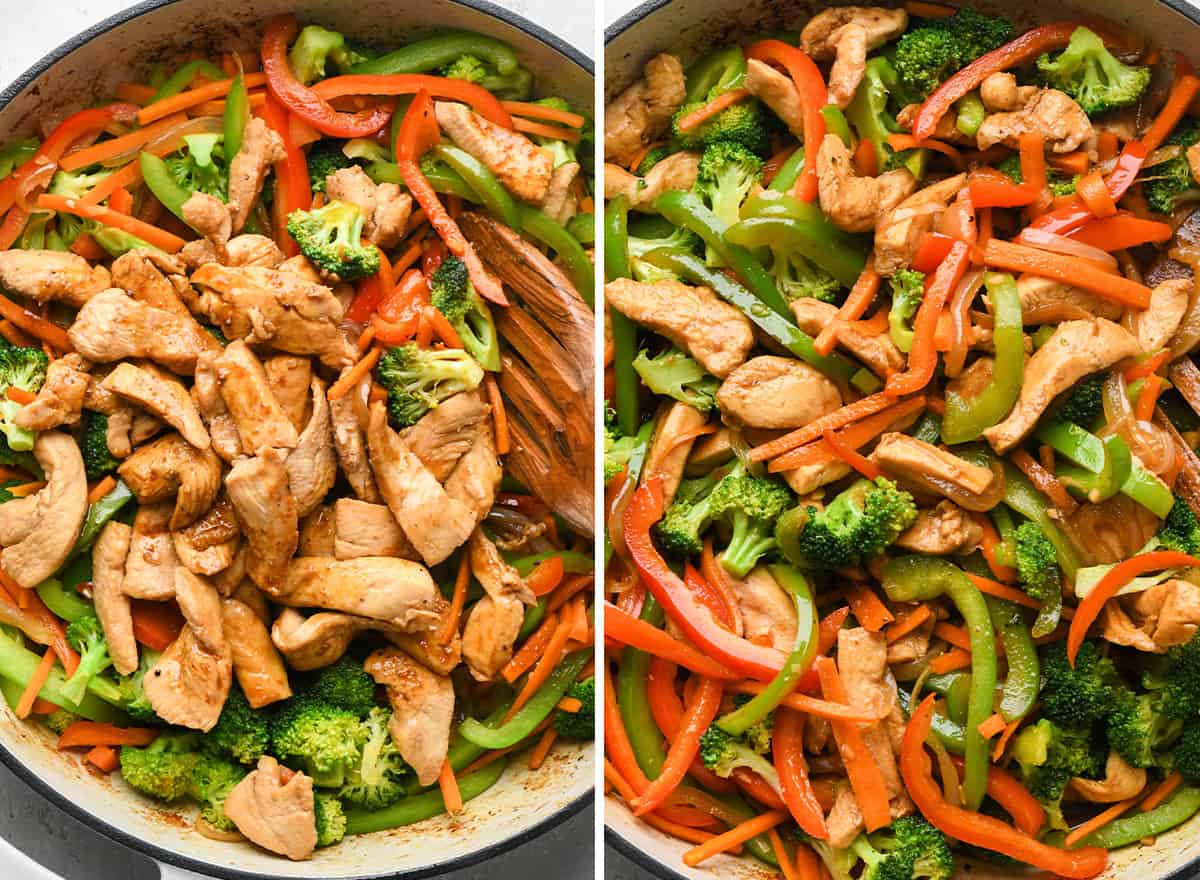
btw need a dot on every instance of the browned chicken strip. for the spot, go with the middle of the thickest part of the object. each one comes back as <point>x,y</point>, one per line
<point>209,544</point>
<point>170,466</point>
<point>641,113</point>
<point>60,399</point>
<point>290,378</point>
<point>256,663</point>
<point>258,488</point>
<point>312,465</point>
<point>150,565</point>
<point>422,710</point>
<point>364,529</point>
<point>52,275</point>
<point>521,165</point>
<point>112,605</point>
<point>443,435</point>
<point>162,395</point>
<point>395,591</point>
<point>112,326</point>
<point>278,816</point>
<point>260,420</point>
<point>261,148</point>
<point>385,207</point>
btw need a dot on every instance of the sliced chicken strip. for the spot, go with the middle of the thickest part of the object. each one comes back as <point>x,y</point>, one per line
<point>18,519</point>
<point>908,458</point>
<point>1170,611</point>
<point>258,488</point>
<point>809,478</point>
<point>559,203</point>
<point>667,454</point>
<point>316,641</point>
<point>1120,781</point>
<point>364,529</point>
<point>188,685</point>
<point>318,535</point>
<point>768,615</point>
<point>942,530</point>
<point>490,633</point>
<point>422,710</point>
<point>999,91</point>
<point>260,420</point>
<point>151,563</point>
<point>351,445</point>
<point>279,816</point>
<point>289,377</point>
<point>852,202</point>
<point>642,112</point>
<point>445,434</point>
<point>162,395</point>
<point>201,606</point>
<point>211,217</point>
<point>112,326</point>
<point>845,34</point>
<point>1048,112</point>
<point>778,92</point>
<point>1155,326</point>
<point>776,392</point>
<point>312,465</point>
<point>260,670</point>
<point>426,648</point>
<point>395,591</point>
<point>521,165</point>
<point>170,466</point>
<point>209,544</point>
<point>52,275</point>
<point>476,478</point>
<point>261,148</point>
<point>112,605</point>
<point>60,399</point>
<point>206,392</point>
<point>677,171</point>
<point>1045,301</point>
<point>385,207</point>
<point>151,277</point>
<point>496,576</point>
<point>875,349</point>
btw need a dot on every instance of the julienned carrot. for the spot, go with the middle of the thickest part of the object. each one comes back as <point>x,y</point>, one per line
<point>570,705</point>
<point>1073,163</point>
<point>712,108</point>
<point>808,866</point>
<point>542,749</point>
<point>567,589</point>
<point>987,545</point>
<point>1045,482</point>
<point>101,489</point>
<point>1069,270</point>
<point>1150,365</point>
<point>992,725</point>
<point>1092,189</point>
<point>442,328</point>
<point>866,607</point>
<point>698,714</point>
<point>39,328</point>
<point>802,702</point>
<point>1079,832</point>
<point>865,777</point>
<point>134,93</point>
<point>1010,594</point>
<point>449,786</point>
<point>848,414</point>
<point>93,733</point>
<point>908,623</point>
<point>192,97</point>
<point>781,855</point>
<point>34,687</point>
<point>899,142</point>
<point>857,302</point>
<point>1182,91</point>
<point>683,832</point>
<point>866,160</point>
<point>528,126</point>
<point>152,235</point>
<point>1002,742</point>
<point>533,648</point>
<point>351,377</point>
<point>1173,780</point>
<point>156,624</point>
<point>116,146</point>
<point>580,630</point>
<point>104,758</point>
<point>458,600</point>
<point>555,649</point>
<point>950,661</point>
<point>541,111</point>
<point>852,436</point>
<point>1143,410</point>
<point>15,335</point>
<point>26,489</point>
<point>736,835</point>
<point>20,395</point>
<point>851,456</point>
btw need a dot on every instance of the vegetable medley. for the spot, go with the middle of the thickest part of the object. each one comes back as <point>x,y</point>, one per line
<point>901,487</point>
<point>261,554</point>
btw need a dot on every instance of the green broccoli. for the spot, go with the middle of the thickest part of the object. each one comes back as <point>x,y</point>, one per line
<point>15,153</point>
<point>908,289</point>
<point>758,736</point>
<point>315,46</point>
<point>1089,73</point>
<point>331,237</point>
<point>1180,530</point>
<point>728,171</point>
<point>748,506</point>
<point>691,512</point>
<point>60,719</point>
<point>200,165</point>
<point>858,524</point>
<point>378,779</point>
<point>323,739</point>
<point>908,849</point>
<point>1037,567</point>
<point>133,695</point>
<point>653,156</point>
<point>1060,184</point>
<point>747,123</point>
<point>454,296</point>
<point>722,754</point>
<point>75,184</point>
<point>469,67</point>
<point>1084,403</point>
<point>93,443</point>
<point>241,732</point>
<point>324,158</point>
<point>676,375</point>
<point>872,121</point>
<point>418,380</point>
<point>1139,731</point>
<point>330,819</point>
<point>24,369</point>
<point>1169,184</point>
<point>936,48</point>
<point>618,448</point>
<point>581,724</point>
<point>562,151</point>
<point>1049,755</point>
<point>211,782</point>
<point>1187,754</point>
<point>345,685</point>
<point>1178,679</point>
<point>1080,696</point>
<point>678,240</point>
<point>86,636</point>
<point>798,278</point>
<point>163,769</point>
<point>514,86</point>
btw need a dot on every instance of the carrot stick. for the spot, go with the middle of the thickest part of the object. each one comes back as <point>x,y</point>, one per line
<point>866,607</point>
<point>992,725</point>
<point>809,705</point>
<point>93,733</point>
<point>20,395</point>
<point>1150,365</point>
<point>1094,193</point>
<point>1162,790</point>
<point>808,866</point>
<point>101,489</point>
<point>533,648</point>
<point>1002,742</point>
<point>104,758</point>
<point>857,302</point>
<point>405,261</point>
<point>852,436</point>
<point>900,142</point>
<point>1098,821</point>
<point>617,781</point>
<point>118,145</point>
<point>950,661</point>
<point>641,154</point>
<point>192,97</point>
<point>568,589</point>
<point>852,412</point>
<point>26,489</point>
<point>738,834</point>
<point>499,414</point>
<point>1069,270</point>
<point>550,131</point>
<point>866,160</point>
<point>569,705</point>
<point>691,835</point>
<point>152,235</point>
<point>1011,594</point>
<point>1046,482</point>
<point>34,687</point>
<point>449,786</point>
<point>39,328</point>
<point>1144,408</point>
<point>781,855</point>
<point>1178,99</point>
<point>908,623</point>
<point>541,111</point>
<point>851,456</point>
<point>712,108</point>
<point>1077,162</point>
<point>443,328</point>
<point>987,545</point>
<point>134,93</point>
<point>579,622</point>
<point>18,338</point>
<point>555,649</point>
<point>156,624</point>
<point>352,376</point>
<point>461,581</point>
<point>542,749</point>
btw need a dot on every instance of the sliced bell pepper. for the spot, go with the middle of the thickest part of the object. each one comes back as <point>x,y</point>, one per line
<point>787,750</point>
<point>1102,484</point>
<point>477,97</point>
<point>237,114</point>
<point>1181,806</point>
<point>633,700</point>
<point>1121,231</point>
<point>922,360</point>
<point>1020,653</point>
<point>489,191</point>
<point>1065,220</point>
<point>437,51</point>
<point>291,174</point>
<point>624,331</point>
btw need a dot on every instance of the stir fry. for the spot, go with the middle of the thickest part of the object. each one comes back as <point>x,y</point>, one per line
<point>261,554</point>
<point>901,488</point>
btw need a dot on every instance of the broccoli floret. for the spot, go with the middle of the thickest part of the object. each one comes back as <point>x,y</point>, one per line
<point>379,778</point>
<point>60,719</point>
<point>757,736</point>
<point>936,48</point>
<point>24,369</point>
<point>1187,754</point>
<point>1080,696</point>
<point>1169,184</point>
<point>653,156</point>
<point>93,443</point>
<point>455,297</point>
<point>749,507</point>
<point>746,123</point>
<point>211,782</point>
<point>679,376</point>
<point>1089,73</point>
<point>325,158</point>
<point>581,724</point>
<point>86,636</point>
<point>345,685</point>
<point>691,512</point>
<point>728,170</point>
<point>330,819</point>
<point>133,695</point>
<point>1060,184</point>
<point>1180,530</point>
<point>75,184</point>
<point>323,739</point>
<point>1037,567</point>
<point>163,769</point>
<point>1049,755</point>
<point>468,67</point>
<point>514,86</point>
<point>1084,402</point>
<point>908,849</point>
<point>331,237</point>
<point>908,289</point>
<point>797,278</point>
<point>858,524</point>
<point>1179,681</point>
<point>679,240</point>
<point>618,448</point>
<point>1139,731</point>
<point>418,380</point>
<point>200,165</point>
<point>316,45</point>
<point>241,732</point>
<point>722,754</point>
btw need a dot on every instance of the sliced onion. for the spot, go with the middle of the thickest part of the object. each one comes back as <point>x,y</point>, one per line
<point>917,211</point>
<point>1054,313</point>
<point>960,305</point>
<point>1163,154</point>
<point>199,125</point>
<point>1118,412</point>
<point>1109,531</point>
<point>949,773</point>
<point>1060,244</point>
<point>207,829</point>
<point>1187,335</point>
<point>32,185</point>
<point>1154,447</point>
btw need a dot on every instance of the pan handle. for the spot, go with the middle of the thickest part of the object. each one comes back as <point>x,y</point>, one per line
<point>170,872</point>
<point>16,864</point>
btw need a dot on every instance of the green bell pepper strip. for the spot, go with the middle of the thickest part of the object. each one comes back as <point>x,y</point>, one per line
<point>536,225</point>
<point>789,172</point>
<point>1006,551</point>
<point>182,78</point>
<point>1097,486</point>
<point>804,647</point>
<point>438,51</point>
<point>1145,487</point>
<point>1088,451</point>
<point>419,807</point>
<point>574,563</point>
<point>1024,672</point>
<point>624,331</point>
<point>951,734</point>
<point>781,221</point>
<point>928,427</point>
<point>956,688</point>
<point>970,114</point>
<point>687,210</point>
<point>633,700</point>
<point>782,331</point>
<point>488,190</point>
<point>1177,809</point>
<point>162,185</point>
<point>463,752</point>
<point>967,417</point>
<point>922,579</point>
<point>18,665</point>
<point>583,227</point>
<point>532,713</point>
<point>65,603</point>
<point>442,178</point>
<point>835,123</point>
<point>99,513</point>
<point>712,70</point>
<point>237,114</point>
<point>533,619</point>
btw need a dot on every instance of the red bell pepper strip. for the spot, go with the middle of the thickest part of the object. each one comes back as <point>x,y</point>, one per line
<point>787,748</point>
<point>1075,213</point>
<point>629,630</point>
<point>1027,812</point>
<point>685,746</point>
<point>813,96</point>
<point>681,604</point>
<point>476,97</point>
<point>993,189</point>
<point>1121,231</point>
<point>979,829</point>
<point>291,174</point>
<point>922,360</point>
<point>302,100</point>
<point>932,252</point>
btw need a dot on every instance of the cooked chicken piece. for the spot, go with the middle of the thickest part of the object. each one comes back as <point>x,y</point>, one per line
<point>170,466</point>
<point>279,816</point>
<point>947,128</point>
<point>476,478</point>
<point>426,648</point>
<point>256,663</point>
<point>1045,301</point>
<point>151,563</point>
<point>1076,349</point>
<point>778,92</point>
<point>52,275</point>
<point>811,477</point>
<point>941,530</point>
<point>694,318</point>
<point>201,606</point>
<point>900,231</point>
<point>112,605</point>
<point>276,307</point>
<point>434,522</point>
<point>395,591</point>
<point>152,277</point>
<point>776,392</point>
<point>422,710</point>
<point>48,526</point>
<point>60,398</point>
<point>261,148</point>
<point>560,204</point>
<point>768,613</point>
<point>211,217</point>
<point>490,633</point>
<point>162,395</point>
<point>206,392</point>
<point>1048,112</point>
<point>521,165</point>
<point>911,646</point>
<point>446,433</point>
<point>1193,157</point>
<point>875,349</point>
<point>820,36</point>
<point>289,377</point>
<point>18,519</point>
<point>912,460</point>
<point>852,202</point>
<point>318,535</point>
<point>496,576</point>
<point>862,663</point>
<point>117,436</point>
<point>312,465</point>
<point>258,488</point>
<point>1000,92</point>
<point>231,580</point>
<point>144,426</point>
<point>1118,628</point>
<point>1155,326</point>
<point>385,207</point>
<point>845,819</point>
<point>253,250</point>
<point>364,529</point>
<point>112,326</point>
<point>642,112</point>
<point>667,454</point>
<point>209,544</point>
<point>1170,611</point>
<point>677,171</point>
<point>1120,782</point>
<point>351,446</point>
<point>710,451</point>
<point>260,420</point>
<point>317,641</point>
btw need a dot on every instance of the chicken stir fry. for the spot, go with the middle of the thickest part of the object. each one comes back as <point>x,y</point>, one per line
<point>900,468</point>
<point>262,449</point>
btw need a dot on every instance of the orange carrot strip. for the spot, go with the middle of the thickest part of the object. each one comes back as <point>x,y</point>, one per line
<point>992,725</point>
<point>550,131</point>
<point>908,623</point>
<point>499,414</point>
<point>458,601</point>
<point>542,749</point>
<point>443,328</point>
<point>808,866</point>
<point>712,108</point>
<point>683,832</point>
<point>104,758</point>
<point>641,155</point>
<point>567,589</point>
<point>923,9</point>
<point>533,648</point>
<point>39,328</point>
<point>449,786</point>
<point>26,489</point>
<point>987,545</point>
<point>134,93</point>
<point>866,160</point>
<point>569,705</point>
<point>1144,408</point>
<point>1045,482</point>
<point>579,621</point>
<point>1150,365</point>
<point>1069,270</point>
<point>857,302</point>
<point>555,649</point>
<point>34,687</point>
<point>1173,780</point>
<point>352,376</point>
<point>1011,594</point>
<point>738,834</point>
<point>546,576</point>
<point>1072,163</point>
<point>101,489</point>
<point>1002,742</point>
<point>17,337</point>
<point>405,261</point>
<point>809,705</point>
<point>781,855</point>
<point>118,145</point>
<point>866,607</point>
<point>865,778</point>
<point>851,456</point>
<point>192,97</point>
<point>20,395</point>
<point>152,235</point>
<point>541,111</point>
<point>851,436</point>
<point>950,661</point>
<point>93,733</point>
<point>899,142</point>
<point>1098,821</point>
<point>853,412</point>
<point>1180,96</point>
<point>1095,195</point>
<point>156,624</point>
